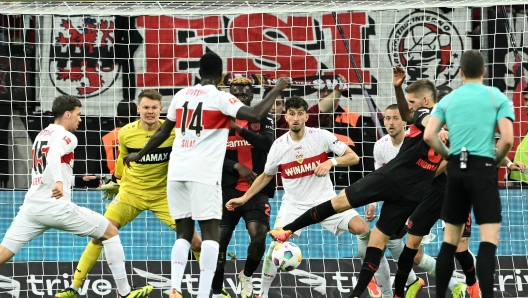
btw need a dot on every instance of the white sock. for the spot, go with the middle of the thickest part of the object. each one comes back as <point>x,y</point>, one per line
<point>179,256</point>
<point>428,264</point>
<point>382,276</point>
<point>452,284</point>
<point>115,257</point>
<point>395,246</point>
<point>269,270</point>
<point>208,259</point>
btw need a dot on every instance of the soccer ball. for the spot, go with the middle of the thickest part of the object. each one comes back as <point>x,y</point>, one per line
<point>287,256</point>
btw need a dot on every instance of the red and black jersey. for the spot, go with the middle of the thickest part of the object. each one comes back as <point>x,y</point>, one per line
<point>412,170</point>
<point>250,147</point>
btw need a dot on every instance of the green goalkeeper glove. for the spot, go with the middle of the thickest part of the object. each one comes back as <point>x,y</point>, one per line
<point>110,190</point>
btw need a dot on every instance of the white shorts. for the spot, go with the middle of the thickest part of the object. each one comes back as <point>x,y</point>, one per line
<point>194,199</point>
<point>336,224</point>
<point>64,217</point>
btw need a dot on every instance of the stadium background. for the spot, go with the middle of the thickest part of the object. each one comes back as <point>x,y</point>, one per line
<point>104,59</point>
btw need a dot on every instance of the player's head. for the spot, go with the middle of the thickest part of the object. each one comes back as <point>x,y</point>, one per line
<point>277,108</point>
<point>149,106</point>
<point>296,113</point>
<point>472,65</point>
<point>66,111</point>
<point>442,91</point>
<point>126,112</point>
<point>242,88</point>
<point>393,121</point>
<point>211,67</point>
<point>421,93</point>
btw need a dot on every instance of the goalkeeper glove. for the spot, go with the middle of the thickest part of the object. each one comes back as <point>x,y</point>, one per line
<point>110,190</point>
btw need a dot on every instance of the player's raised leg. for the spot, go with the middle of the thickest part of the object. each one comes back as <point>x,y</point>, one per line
<point>467,261</point>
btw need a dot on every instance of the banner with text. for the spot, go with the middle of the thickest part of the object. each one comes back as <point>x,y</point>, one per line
<point>96,57</point>
<point>332,278</point>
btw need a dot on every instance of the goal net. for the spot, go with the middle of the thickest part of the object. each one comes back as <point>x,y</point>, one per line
<point>106,53</point>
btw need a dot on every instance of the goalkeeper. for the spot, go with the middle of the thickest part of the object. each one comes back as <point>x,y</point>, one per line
<point>142,187</point>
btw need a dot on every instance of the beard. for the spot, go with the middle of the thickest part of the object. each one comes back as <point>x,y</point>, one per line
<point>296,130</point>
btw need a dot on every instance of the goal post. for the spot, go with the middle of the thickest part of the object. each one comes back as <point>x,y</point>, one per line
<point>108,52</point>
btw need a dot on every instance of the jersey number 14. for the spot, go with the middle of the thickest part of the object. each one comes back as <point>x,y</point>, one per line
<point>196,119</point>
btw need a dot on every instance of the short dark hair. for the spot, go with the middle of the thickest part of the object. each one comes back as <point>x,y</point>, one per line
<point>150,94</point>
<point>64,103</point>
<point>392,107</point>
<point>241,81</point>
<point>211,65</point>
<point>296,102</point>
<point>422,86</point>
<point>126,108</point>
<point>472,64</point>
<point>442,91</point>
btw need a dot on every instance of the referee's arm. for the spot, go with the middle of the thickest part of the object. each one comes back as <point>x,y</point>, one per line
<point>505,142</point>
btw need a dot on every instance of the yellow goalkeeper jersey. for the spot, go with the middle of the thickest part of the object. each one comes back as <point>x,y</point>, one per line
<point>148,176</point>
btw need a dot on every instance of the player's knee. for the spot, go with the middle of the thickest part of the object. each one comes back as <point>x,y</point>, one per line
<point>196,242</point>
<point>357,226</point>
<point>115,223</point>
<point>340,203</point>
<point>111,231</point>
<point>5,255</point>
<point>97,241</point>
<point>413,241</point>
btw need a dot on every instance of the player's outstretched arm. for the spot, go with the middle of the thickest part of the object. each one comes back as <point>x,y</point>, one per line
<point>162,134</point>
<point>259,183</point>
<point>403,106</point>
<point>432,127</point>
<point>261,109</point>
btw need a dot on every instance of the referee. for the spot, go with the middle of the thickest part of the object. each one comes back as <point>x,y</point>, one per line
<point>472,168</point>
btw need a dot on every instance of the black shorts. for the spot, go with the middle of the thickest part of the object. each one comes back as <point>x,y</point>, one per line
<point>396,208</point>
<point>467,228</point>
<point>477,187</point>
<point>427,213</point>
<point>255,210</point>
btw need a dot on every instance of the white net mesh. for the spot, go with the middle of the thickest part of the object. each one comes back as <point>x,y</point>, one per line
<point>107,52</point>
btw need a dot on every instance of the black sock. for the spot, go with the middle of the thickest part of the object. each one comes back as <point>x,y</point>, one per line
<point>314,215</point>
<point>370,266</point>
<point>405,264</point>
<point>250,266</point>
<point>444,268</point>
<point>465,258</point>
<point>486,268</point>
<point>218,279</point>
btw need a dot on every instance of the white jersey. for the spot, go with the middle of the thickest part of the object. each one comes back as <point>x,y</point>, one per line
<point>52,161</point>
<point>298,160</point>
<point>384,151</point>
<point>199,149</point>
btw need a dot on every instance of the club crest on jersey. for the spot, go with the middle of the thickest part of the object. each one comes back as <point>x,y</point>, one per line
<point>255,126</point>
<point>300,158</point>
<point>82,60</point>
<point>428,45</point>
